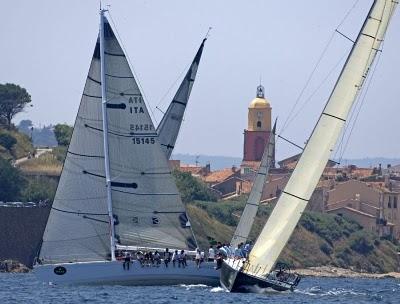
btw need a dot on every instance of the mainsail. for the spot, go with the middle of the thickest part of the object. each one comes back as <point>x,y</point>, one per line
<point>250,210</point>
<point>169,126</point>
<point>306,175</point>
<point>78,225</point>
<point>146,204</point>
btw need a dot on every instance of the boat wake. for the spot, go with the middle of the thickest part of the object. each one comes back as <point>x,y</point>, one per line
<point>218,289</point>
<point>193,286</point>
<point>318,291</point>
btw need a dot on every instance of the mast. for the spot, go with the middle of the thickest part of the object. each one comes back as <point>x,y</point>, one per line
<point>105,136</point>
<point>305,177</point>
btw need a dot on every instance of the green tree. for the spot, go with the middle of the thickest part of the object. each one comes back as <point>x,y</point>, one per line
<point>13,100</point>
<point>7,140</point>
<point>63,133</point>
<point>191,188</point>
<point>11,182</point>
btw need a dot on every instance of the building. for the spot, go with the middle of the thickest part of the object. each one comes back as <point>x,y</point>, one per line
<point>257,133</point>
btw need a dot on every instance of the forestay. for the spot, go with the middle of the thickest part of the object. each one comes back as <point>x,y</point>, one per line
<point>146,204</point>
<point>306,175</point>
<point>169,126</point>
<point>250,210</point>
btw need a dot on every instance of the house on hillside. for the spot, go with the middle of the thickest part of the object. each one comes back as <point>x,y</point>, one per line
<point>372,205</point>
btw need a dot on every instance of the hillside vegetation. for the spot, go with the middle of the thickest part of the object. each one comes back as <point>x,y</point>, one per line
<point>319,239</point>
<point>14,145</point>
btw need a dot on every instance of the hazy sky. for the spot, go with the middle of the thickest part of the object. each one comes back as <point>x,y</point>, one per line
<point>46,47</point>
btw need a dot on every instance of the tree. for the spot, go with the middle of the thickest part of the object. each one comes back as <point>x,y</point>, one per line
<point>13,100</point>
<point>25,126</point>
<point>63,133</point>
<point>11,182</point>
<point>7,140</point>
<point>191,188</point>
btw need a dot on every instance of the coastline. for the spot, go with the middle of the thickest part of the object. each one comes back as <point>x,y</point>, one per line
<point>335,272</point>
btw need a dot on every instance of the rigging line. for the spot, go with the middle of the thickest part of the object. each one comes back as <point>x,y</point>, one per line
<point>360,107</point>
<point>184,71</point>
<point>316,90</point>
<point>285,124</point>
<point>133,70</point>
<point>365,91</point>
<point>307,83</point>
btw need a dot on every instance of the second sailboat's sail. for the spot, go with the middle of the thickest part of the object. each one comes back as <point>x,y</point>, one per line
<point>169,126</point>
<point>306,175</point>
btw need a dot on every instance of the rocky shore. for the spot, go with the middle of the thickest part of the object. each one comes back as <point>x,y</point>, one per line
<point>334,272</point>
<point>13,266</point>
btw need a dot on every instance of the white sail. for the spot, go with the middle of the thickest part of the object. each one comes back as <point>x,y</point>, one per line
<point>77,228</point>
<point>250,210</point>
<point>306,175</point>
<point>145,200</point>
<point>169,126</point>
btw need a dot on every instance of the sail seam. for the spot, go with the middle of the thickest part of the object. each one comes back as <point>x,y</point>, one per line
<point>144,194</point>
<point>333,116</point>
<point>78,213</point>
<point>85,155</point>
<point>121,77</point>
<point>114,54</point>
<point>94,80</point>
<point>92,96</point>
<point>179,102</point>
<point>303,199</point>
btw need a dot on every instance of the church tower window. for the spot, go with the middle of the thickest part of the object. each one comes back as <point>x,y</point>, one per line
<point>258,124</point>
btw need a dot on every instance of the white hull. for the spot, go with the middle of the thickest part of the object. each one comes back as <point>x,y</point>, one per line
<point>99,273</point>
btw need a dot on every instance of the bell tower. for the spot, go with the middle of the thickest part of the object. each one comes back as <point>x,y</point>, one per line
<point>258,131</point>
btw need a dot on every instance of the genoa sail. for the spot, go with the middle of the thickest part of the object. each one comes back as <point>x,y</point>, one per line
<point>146,205</point>
<point>250,210</point>
<point>307,173</point>
<point>169,126</point>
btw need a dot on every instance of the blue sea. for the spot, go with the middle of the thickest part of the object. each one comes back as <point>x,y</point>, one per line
<point>23,288</point>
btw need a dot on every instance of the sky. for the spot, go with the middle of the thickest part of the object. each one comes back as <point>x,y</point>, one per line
<point>46,47</point>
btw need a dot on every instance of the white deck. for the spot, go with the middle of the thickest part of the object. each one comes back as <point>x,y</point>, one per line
<point>100,273</point>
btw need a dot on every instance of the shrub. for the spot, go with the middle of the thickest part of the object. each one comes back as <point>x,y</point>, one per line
<point>325,248</point>
<point>11,182</point>
<point>191,188</point>
<point>361,243</point>
<point>7,141</point>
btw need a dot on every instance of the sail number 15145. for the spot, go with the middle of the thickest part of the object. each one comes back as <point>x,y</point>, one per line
<point>143,140</point>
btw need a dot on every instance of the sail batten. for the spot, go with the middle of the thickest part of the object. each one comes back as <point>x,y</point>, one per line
<point>169,127</point>
<point>311,164</point>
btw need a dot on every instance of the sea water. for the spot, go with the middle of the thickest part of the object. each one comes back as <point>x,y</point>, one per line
<point>23,288</point>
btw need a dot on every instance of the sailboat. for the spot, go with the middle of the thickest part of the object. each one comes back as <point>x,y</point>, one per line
<point>116,190</point>
<point>257,269</point>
